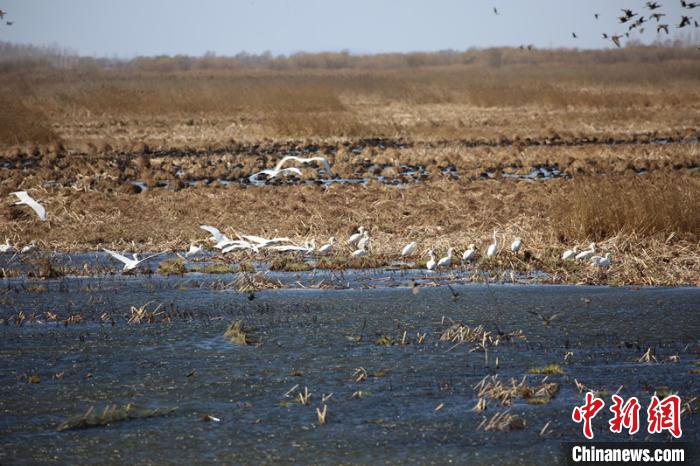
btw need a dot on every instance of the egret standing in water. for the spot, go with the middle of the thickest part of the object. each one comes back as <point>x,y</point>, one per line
<point>130,264</point>
<point>409,249</point>
<point>470,254</point>
<point>493,247</point>
<point>430,265</point>
<point>26,199</point>
<point>447,260</point>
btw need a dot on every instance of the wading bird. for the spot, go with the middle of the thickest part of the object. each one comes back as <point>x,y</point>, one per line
<point>569,254</point>
<point>587,253</point>
<point>26,199</point>
<point>194,250</point>
<point>326,248</point>
<point>354,238</point>
<point>130,264</point>
<point>274,173</point>
<point>493,247</point>
<point>219,238</point>
<point>303,161</point>
<point>364,241</point>
<point>470,254</point>
<point>409,249</point>
<point>447,260</point>
<point>430,265</point>
<point>28,248</point>
<point>516,245</point>
<point>359,252</point>
<point>602,262</point>
<point>7,247</point>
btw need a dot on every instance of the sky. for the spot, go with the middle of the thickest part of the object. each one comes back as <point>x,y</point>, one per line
<point>129,28</point>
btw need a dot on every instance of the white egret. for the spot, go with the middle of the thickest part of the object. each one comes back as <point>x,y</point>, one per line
<point>516,245</point>
<point>493,247</point>
<point>130,264</point>
<point>359,253</point>
<point>26,199</point>
<point>306,249</point>
<point>569,254</point>
<point>194,250</point>
<point>235,245</point>
<point>430,265</point>
<point>28,248</point>
<point>274,173</point>
<point>470,254</point>
<point>326,248</point>
<point>602,262</point>
<point>7,247</point>
<point>364,241</point>
<point>409,249</point>
<point>354,238</point>
<point>263,242</point>
<point>447,260</point>
<point>587,253</point>
<point>324,162</point>
<point>219,238</point>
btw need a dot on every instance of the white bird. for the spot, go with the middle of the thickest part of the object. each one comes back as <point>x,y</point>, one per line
<point>7,247</point>
<point>306,249</point>
<point>364,241</point>
<point>25,198</point>
<point>130,264</point>
<point>354,238</point>
<point>326,165</point>
<point>274,173</point>
<point>516,245</point>
<point>359,253</point>
<point>235,245</point>
<point>28,248</point>
<point>409,249</point>
<point>326,248</point>
<point>263,242</point>
<point>603,262</point>
<point>430,265</point>
<point>569,254</point>
<point>447,260</point>
<point>219,238</point>
<point>194,250</point>
<point>493,247</point>
<point>470,254</point>
<point>586,254</point>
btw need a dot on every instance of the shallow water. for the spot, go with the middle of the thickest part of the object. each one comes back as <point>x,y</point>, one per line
<point>317,339</point>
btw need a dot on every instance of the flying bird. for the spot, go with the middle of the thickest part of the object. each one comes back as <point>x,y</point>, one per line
<point>194,250</point>
<point>685,21</point>
<point>130,264</point>
<point>219,238</point>
<point>662,26</point>
<point>616,40</point>
<point>657,16</point>
<point>10,23</point>
<point>596,15</point>
<point>26,199</point>
<point>495,10</point>
<point>546,320</point>
<point>653,5</point>
<point>573,34</point>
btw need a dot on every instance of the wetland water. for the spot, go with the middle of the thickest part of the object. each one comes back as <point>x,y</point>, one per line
<point>318,339</point>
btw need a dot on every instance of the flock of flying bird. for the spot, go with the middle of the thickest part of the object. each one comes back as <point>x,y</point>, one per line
<point>634,21</point>
<point>359,240</point>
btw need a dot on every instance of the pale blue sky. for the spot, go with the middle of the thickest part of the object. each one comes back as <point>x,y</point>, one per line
<point>127,28</point>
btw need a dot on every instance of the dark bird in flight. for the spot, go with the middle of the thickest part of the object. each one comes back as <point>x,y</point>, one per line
<point>10,23</point>
<point>696,24</point>
<point>689,6</point>
<point>546,320</point>
<point>662,26</point>
<point>657,16</point>
<point>628,13</point>
<point>605,36</point>
<point>596,15</point>
<point>653,5</point>
<point>685,21</point>
<point>495,10</point>
<point>616,40</point>
<point>573,34</point>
